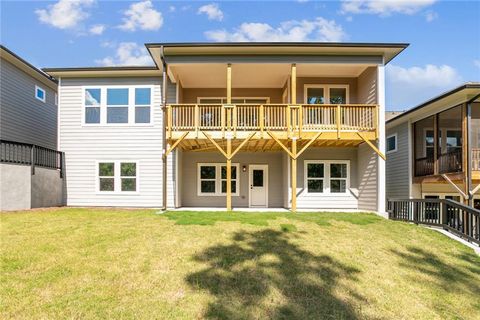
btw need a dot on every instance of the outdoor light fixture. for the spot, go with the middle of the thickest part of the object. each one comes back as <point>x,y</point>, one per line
<point>244,168</point>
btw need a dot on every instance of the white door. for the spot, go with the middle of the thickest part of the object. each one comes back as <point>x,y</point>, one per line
<point>258,178</point>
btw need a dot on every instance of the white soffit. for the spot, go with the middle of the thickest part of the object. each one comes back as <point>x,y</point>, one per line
<point>254,75</point>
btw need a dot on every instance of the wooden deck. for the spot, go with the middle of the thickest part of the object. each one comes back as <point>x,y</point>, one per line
<point>339,125</point>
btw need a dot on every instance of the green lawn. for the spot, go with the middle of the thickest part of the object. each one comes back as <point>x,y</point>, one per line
<point>130,264</point>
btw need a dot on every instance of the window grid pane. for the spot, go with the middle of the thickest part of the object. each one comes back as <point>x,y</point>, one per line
<point>142,114</point>
<point>92,114</point>
<point>117,97</point>
<point>117,114</point>
<point>129,184</point>
<point>128,169</point>
<point>107,184</point>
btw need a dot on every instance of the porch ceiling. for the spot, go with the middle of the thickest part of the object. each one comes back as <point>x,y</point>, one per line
<point>272,75</point>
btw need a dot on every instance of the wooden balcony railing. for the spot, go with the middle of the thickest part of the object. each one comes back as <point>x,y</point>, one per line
<point>424,166</point>
<point>450,162</point>
<point>273,117</point>
<point>475,159</point>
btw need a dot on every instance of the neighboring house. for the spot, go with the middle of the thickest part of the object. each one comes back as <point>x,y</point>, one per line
<point>392,114</point>
<point>293,125</point>
<point>28,134</point>
<point>28,102</point>
<point>433,150</point>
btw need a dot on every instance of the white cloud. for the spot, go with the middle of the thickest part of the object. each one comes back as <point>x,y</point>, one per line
<point>97,29</point>
<point>212,11</point>
<point>65,14</point>
<point>172,8</point>
<point>127,54</point>
<point>319,29</point>
<point>430,16</point>
<point>141,15</point>
<point>407,87</point>
<point>385,7</point>
<point>476,62</point>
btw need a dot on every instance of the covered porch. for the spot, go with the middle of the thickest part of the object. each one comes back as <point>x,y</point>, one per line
<point>236,110</point>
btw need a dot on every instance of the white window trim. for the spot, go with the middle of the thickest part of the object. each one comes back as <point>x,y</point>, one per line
<point>225,98</point>
<point>44,94</point>
<point>218,180</point>
<point>131,106</point>
<point>395,135</point>
<point>326,90</point>
<point>117,179</point>
<point>326,177</point>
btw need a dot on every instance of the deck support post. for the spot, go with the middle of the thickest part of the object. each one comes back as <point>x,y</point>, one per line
<point>229,155</point>
<point>293,158</point>
<point>294,174</point>
<point>229,174</point>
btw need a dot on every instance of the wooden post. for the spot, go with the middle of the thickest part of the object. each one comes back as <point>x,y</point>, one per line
<point>435,144</point>
<point>229,83</point>
<point>293,95</point>
<point>294,174</point>
<point>338,120</point>
<point>196,120</point>
<point>229,174</point>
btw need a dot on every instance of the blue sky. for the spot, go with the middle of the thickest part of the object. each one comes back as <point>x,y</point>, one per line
<point>444,36</point>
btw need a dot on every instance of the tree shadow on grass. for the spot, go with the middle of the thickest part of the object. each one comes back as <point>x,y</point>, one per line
<point>448,277</point>
<point>262,274</point>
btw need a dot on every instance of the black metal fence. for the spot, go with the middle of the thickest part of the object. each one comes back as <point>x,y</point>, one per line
<point>32,155</point>
<point>455,217</point>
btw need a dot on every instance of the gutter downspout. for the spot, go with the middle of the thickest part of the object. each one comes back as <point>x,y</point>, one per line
<point>164,130</point>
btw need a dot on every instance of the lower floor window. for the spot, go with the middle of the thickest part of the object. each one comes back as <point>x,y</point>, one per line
<point>212,179</point>
<point>117,176</point>
<point>323,176</point>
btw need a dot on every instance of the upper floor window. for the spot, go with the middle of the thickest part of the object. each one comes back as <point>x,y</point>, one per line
<point>40,94</point>
<point>142,105</point>
<point>92,105</point>
<point>392,143</point>
<point>326,94</point>
<point>118,105</point>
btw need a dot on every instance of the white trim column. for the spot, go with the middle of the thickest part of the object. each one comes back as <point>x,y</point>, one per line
<point>381,173</point>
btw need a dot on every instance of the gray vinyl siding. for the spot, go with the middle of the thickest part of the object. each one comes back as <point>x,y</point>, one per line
<point>367,178</point>
<point>189,170</point>
<point>397,164</point>
<point>85,145</point>
<point>23,118</point>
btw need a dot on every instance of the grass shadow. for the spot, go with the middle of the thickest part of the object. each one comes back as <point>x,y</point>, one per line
<point>262,218</point>
<point>447,277</point>
<point>263,274</point>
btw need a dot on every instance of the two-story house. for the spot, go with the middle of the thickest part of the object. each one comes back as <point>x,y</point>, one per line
<point>28,136</point>
<point>433,150</point>
<point>233,125</point>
